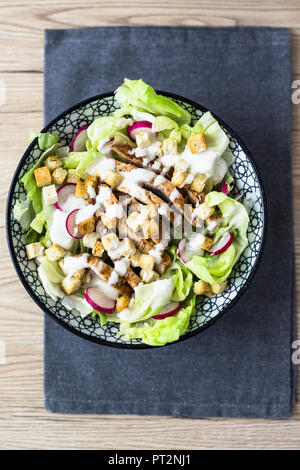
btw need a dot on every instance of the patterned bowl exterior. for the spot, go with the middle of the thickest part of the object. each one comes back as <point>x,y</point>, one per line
<point>247,185</point>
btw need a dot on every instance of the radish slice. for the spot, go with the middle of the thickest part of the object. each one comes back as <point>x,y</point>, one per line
<point>139,126</point>
<point>224,188</point>
<point>104,146</point>
<point>78,142</point>
<point>222,244</point>
<point>184,253</point>
<point>63,193</point>
<point>99,301</point>
<point>168,311</point>
<point>71,225</point>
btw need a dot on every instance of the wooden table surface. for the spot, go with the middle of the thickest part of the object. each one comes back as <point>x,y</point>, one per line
<point>24,424</point>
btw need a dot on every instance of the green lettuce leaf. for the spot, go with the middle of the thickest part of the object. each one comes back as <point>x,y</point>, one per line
<point>51,277</point>
<point>47,140</point>
<point>105,127</point>
<point>216,138</point>
<point>216,269</point>
<point>77,302</point>
<point>149,300</point>
<point>23,212</point>
<point>160,332</point>
<point>182,280</point>
<point>101,316</point>
<point>38,222</point>
<point>136,94</point>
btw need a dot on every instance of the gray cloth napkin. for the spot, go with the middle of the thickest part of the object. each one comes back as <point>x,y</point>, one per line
<point>240,367</point>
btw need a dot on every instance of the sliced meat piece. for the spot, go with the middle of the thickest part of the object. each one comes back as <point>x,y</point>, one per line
<point>145,246</point>
<point>132,278</point>
<point>124,152</point>
<point>104,271</point>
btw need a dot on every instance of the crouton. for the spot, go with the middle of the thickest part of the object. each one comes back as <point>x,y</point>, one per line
<point>203,211</point>
<point>72,176</point>
<point>151,229</point>
<point>80,190</point>
<point>135,259</point>
<point>33,250</point>
<point>113,178</point>
<point>148,275</point>
<point>197,143</point>
<point>86,226</point>
<point>93,182</point>
<point>169,146</point>
<point>181,165</point>
<point>133,221</point>
<point>127,247</point>
<point>53,162</point>
<point>59,175</point>
<point>207,243</point>
<point>142,139</point>
<point>219,288</point>
<point>42,176</point>
<point>213,223</point>
<point>55,252</point>
<point>90,239</point>
<point>202,288</point>
<point>109,222</point>
<point>198,183</point>
<point>146,261</point>
<point>109,241</point>
<point>178,178</point>
<point>122,303</point>
<point>149,210</point>
<point>70,284</point>
<point>98,249</point>
<point>80,274</point>
<point>49,195</point>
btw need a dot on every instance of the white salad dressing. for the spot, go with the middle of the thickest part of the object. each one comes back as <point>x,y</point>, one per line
<point>58,232</point>
<point>108,290</point>
<point>174,195</point>
<point>100,166</point>
<point>157,251</point>
<point>91,192</point>
<point>132,179</point>
<point>71,264</point>
<point>121,266</point>
<point>208,162</point>
<point>114,211</point>
<point>89,210</point>
<point>150,152</point>
<point>73,203</point>
<point>113,278</point>
<point>159,180</point>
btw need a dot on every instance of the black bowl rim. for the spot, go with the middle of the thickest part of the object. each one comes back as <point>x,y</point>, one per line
<point>95,339</point>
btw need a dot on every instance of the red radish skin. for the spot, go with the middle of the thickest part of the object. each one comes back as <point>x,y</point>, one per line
<point>168,311</point>
<point>63,193</point>
<point>222,244</point>
<point>78,142</point>
<point>139,126</point>
<point>71,225</point>
<point>224,188</point>
<point>95,297</point>
<point>108,143</point>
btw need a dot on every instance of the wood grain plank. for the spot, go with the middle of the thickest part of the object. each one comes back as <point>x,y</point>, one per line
<point>24,422</point>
